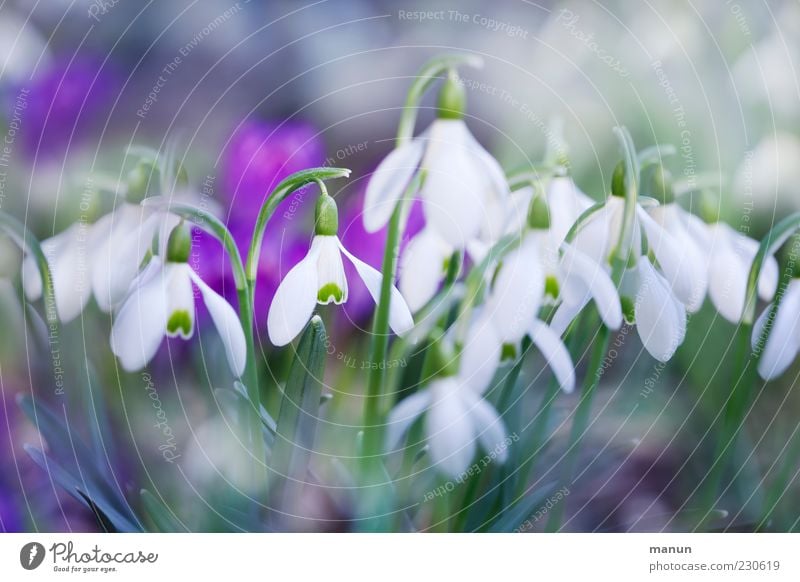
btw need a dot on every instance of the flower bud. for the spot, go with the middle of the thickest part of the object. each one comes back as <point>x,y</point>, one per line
<point>658,184</point>
<point>709,206</point>
<point>452,98</point>
<point>618,180</point>
<point>139,179</point>
<point>179,245</point>
<point>326,216</point>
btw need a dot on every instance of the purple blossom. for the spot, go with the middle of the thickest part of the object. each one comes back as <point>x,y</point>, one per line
<point>64,102</point>
<point>260,155</point>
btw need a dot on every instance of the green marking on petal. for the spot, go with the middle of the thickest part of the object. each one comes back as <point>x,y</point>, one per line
<point>509,352</point>
<point>551,286</point>
<point>330,292</point>
<point>628,310</point>
<point>180,323</point>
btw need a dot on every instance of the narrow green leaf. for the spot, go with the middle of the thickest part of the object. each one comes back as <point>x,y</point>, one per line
<point>299,411</point>
<point>513,517</point>
<point>163,518</point>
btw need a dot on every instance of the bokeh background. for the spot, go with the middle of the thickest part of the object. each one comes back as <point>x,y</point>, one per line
<point>248,92</point>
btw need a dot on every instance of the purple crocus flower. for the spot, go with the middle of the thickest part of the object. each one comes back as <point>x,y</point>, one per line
<point>64,101</point>
<point>260,155</point>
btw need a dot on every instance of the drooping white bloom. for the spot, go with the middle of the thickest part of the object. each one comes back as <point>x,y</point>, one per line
<point>161,303</point>
<point>456,417</point>
<point>464,191</point>
<point>677,222</point>
<point>124,238</point>
<point>320,279</point>
<point>729,254</point>
<point>783,342</point>
<point>68,255</point>
<point>422,267</point>
<point>660,315</point>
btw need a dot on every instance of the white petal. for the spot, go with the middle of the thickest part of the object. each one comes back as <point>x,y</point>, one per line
<point>556,354</point>
<point>660,316</point>
<point>294,300</point>
<point>727,282</point>
<point>66,255</point>
<point>422,268</point>
<point>581,275</point>
<point>480,355</point>
<point>518,291</point>
<point>387,183</point>
<point>331,280</point>
<point>403,416</point>
<point>449,429</point>
<point>141,323</point>
<point>566,313</point>
<point>598,236</point>
<point>677,222</point>
<point>518,203</point>
<point>400,319</point>
<point>566,203</point>
<point>116,266</point>
<point>496,192</point>
<point>783,341</point>
<point>180,300</point>
<point>228,325</point>
<point>674,260</point>
<point>489,426</point>
<point>454,189</point>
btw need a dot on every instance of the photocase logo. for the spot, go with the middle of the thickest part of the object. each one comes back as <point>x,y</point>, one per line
<point>31,555</point>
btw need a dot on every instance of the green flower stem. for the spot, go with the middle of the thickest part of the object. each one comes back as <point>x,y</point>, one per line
<point>746,363</point>
<point>428,74</point>
<point>29,244</point>
<point>619,262</point>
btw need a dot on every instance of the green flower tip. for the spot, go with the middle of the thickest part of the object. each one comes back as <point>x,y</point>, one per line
<point>139,179</point>
<point>179,245</point>
<point>326,216</point>
<point>440,359</point>
<point>628,309</point>
<point>618,180</point>
<point>180,323</point>
<point>181,176</point>
<point>538,212</point>
<point>330,292</point>
<point>551,287</point>
<point>452,98</point>
<point>658,184</point>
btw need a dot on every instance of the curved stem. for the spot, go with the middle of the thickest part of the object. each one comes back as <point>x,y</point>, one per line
<point>294,182</point>
<point>429,72</point>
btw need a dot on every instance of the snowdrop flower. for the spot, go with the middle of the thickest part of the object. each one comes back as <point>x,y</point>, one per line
<point>67,256</point>
<point>660,316</point>
<point>320,279</point>
<point>659,296</point>
<point>125,237</point>
<point>456,415</point>
<point>672,218</point>
<point>161,303</point>
<point>553,270</point>
<point>423,265</point>
<point>783,342</point>
<point>464,191</point>
<point>728,255</point>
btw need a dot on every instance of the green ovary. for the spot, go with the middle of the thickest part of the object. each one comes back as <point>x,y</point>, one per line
<point>330,292</point>
<point>180,323</point>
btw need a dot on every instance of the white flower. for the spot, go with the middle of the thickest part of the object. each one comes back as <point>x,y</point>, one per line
<point>161,303</point>
<point>68,256</point>
<point>125,237</point>
<point>565,201</point>
<point>456,417</point>
<point>729,254</point>
<point>464,191</point>
<point>783,342</point>
<point>422,268</point>
<point>677,222</point>
<point>660,315</point>
<point>320,278</point>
